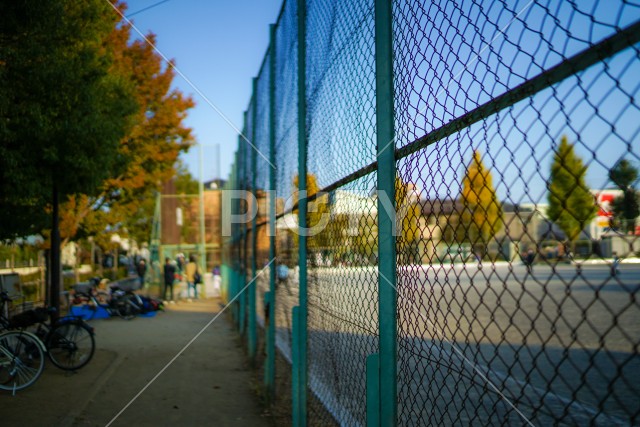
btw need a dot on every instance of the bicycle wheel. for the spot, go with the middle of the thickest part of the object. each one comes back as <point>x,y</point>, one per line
<point>70,344</point>
<point>21,360</point>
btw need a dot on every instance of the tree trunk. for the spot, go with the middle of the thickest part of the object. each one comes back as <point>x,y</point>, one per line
<point>55,257</point>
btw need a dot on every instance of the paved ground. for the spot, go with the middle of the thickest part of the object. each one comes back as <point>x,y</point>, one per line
<point>559,344</point>
<point>208,384</point>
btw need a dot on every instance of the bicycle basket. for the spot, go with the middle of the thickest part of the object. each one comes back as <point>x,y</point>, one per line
<point>28,318</point>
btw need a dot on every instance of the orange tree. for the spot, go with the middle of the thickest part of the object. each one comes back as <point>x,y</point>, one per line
<point>149,150</point>
<point>481,216</point>
<point>408,214</point>
<point>317,213</point>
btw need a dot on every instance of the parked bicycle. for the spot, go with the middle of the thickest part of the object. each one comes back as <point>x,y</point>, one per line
<point>21,360</point>
<point>69,341</point>
<point>120,301</point>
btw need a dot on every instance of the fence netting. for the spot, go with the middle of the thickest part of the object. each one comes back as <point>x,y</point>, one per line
<point>286,167</point>
<point>342,304</point>
<point>259,137</point>
<point>517,148</point>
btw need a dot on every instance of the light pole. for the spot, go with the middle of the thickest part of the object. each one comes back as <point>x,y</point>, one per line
<point>201,251</point>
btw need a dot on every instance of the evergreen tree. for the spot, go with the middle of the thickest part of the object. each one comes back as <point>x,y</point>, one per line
<point>625,207</point>
<point>571,204</point>
<point>481,216</point>
<point>62,112</point>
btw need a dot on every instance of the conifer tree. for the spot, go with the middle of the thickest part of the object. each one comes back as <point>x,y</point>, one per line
<point>626,208</point>
<point>62,111</point>
<point>571,204</point>
<point>481,216</point>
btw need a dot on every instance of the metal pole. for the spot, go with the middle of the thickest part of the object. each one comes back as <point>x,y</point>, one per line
<point>386,220</point>
<point>236,236</point>
<point>253,334</point>
<point>302,218</point>
<point>271,343</point>
<point>202,253</point>
<point>218,177</point>
<point>243,236</point>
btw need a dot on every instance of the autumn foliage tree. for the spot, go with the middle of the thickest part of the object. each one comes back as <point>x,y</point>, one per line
<point>408,213</point>
<point>149,150</point>
<point>366,241</point>
<point>317,211</point>
<point>571,204</point>
<point>481,216</point>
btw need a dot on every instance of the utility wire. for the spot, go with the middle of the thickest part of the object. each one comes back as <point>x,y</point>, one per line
<point>146,8</point>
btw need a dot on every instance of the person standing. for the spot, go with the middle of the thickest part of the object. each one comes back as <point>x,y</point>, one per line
<point>217,280</point>
<point>169,278</point>
<point>141,269</point>
<point>180,262</point>
<point>191,270</point>
<point>529,260</point>
<point>614,265</point>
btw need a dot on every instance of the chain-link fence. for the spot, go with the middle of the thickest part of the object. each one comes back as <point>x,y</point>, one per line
<point>472,253</point>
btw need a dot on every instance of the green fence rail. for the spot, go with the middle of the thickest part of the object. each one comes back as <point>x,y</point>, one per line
<point>432,217</point>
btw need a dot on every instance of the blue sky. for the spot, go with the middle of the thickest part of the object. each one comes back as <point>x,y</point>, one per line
<point>218,45</point>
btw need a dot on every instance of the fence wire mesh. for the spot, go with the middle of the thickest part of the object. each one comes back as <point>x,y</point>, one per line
<point>286,143</point>
<point>340,85</point>
<point>261,150</point>
<point>517,151</point>
<point>508,311</point>
<point>343,295</point>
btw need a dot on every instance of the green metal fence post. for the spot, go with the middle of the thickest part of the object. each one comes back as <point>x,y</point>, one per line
<point>253,336</point>
<point>269,349</point>
<point>386,220</point>
<point>242,298</point>
<point>234,238</point>
<point>232,291</point>
<point>271,343</point>
<point>301,368</point>
<point>373,390</point>
<point>237,239</point>
<point>243,303</point>
<point>295,359</point>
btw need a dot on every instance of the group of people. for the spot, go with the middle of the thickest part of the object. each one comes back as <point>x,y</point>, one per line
<point>181,271</point>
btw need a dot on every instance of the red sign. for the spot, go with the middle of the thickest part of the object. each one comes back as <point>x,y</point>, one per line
<point>604,199</point>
